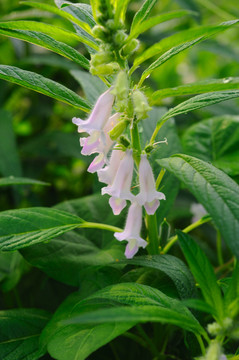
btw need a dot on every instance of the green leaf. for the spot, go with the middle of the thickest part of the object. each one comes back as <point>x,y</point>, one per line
<point>120,11</point>
<point>146,304</point>
<point>9,158</point>
<point>172,45</point>
<point>198,102</point>
<point>156,20</point>
<point>172,267</point>
<point>215,140</point>
<point>85,26</point>
<point>92,86</point>
<point>195,88</point>
<point>81,250</point>
<point>43,85</point>
<point>12,180</point>
<point>45,41</point>
<point>83,339</point>
<point>24,227</point>
<point>202,271</point>
<point>142,14</point>
<point>216,191</point>
<point>232,294</point>
<point>199,305</point>
<point>19,333</point>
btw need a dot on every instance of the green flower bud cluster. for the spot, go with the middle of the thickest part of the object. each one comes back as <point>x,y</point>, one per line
<point>113,48</point>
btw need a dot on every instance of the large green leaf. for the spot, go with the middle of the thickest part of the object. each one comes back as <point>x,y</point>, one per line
<point>19,333</point>
<point>78,341</point>
<point>195,88</point>
<point>43,85</point>
<point>156,20</point>
<point>215,140</point>
<point>78,251</point>
<point>172,45</point>
<point>146,304</point>
<point>203,272</point>
<point>45,41</point>
<point>12,180</point>
<point>173,267</point>
<point>64,14</point>
<point>216,191</point>
<point>23,227</point>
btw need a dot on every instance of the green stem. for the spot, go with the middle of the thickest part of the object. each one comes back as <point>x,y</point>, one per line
<point>189,228</point>
<point>147,339</point>
<point>219,249</point>
<point>201,344</point>
<point>156,130</point>
<point>92,225</point>
<point>159,178</point>
<point>135,140</point>
<point>153,247</point>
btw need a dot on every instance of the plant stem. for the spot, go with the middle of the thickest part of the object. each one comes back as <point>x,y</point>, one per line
<point>189,228</point>
<point>92,225</point>
<point>159,178</point>
<point>201,344</point>
<point>147,339</point>
<point>153,247</point>
<point>135,139</point>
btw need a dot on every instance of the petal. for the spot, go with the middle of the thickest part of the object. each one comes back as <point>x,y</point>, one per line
<point>151,207</point>
<point>91,144</point>
<point>117,205</point>
<point>131,249</point>
<point>97,163</point>
<point>107,174</point>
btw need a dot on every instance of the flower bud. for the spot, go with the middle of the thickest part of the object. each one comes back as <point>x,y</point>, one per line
<point>106,69</point>
<point>99,32</point>
<point>118,129</point>
<point>102,57</point>
<point>130,47</point>
<point>120,37</point>
<point>121,86</point>
<point>141,106</point>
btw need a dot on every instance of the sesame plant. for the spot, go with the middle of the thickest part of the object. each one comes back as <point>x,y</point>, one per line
<point>132,282</point>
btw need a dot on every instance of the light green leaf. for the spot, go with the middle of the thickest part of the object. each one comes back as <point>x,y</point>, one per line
<point>92,86</point>
<point>12,180</point>
<point>215,140</point>
<point>80,250</point>
<point>172,45</point>
<point>45,41</point>
<point>195,88</point>
<point>120,11</point>
<point>203,272</point>
<point>172,267</point>
<point>142,14</point>
<point>198,102</point>
<point>156,20</point>
<point>216,191</point>
<point>24,227</point>
<point>53,9</point>
<point>19,333</point>
<point>43,85</point>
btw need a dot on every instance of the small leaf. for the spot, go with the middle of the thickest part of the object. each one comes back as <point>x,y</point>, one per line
<point>19,333</point>
<point>142,13</point>
<point>202,271</point>
<point>24,227</point>
<point>12,180</point>
<point>198,102</point>
<point>195,88</point>
<point>216,191</point>
<point>43,85</point>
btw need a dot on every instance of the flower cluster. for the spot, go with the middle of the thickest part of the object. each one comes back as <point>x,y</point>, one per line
<point>117,172</point>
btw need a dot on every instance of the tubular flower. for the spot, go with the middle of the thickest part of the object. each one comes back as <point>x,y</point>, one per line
<point>99,115</point>
<point>119,189</point>
<point>148,196</point>
<point>107,174</point>
<point>132,230</point>
<point>99,141</point>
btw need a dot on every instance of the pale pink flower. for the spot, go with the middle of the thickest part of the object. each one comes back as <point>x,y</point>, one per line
<point>148,196</point>
<point>97,163</point>
<point>132,230</point>
<point>119,189</point>
<point>99,115</point>
<point>107,174</point>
